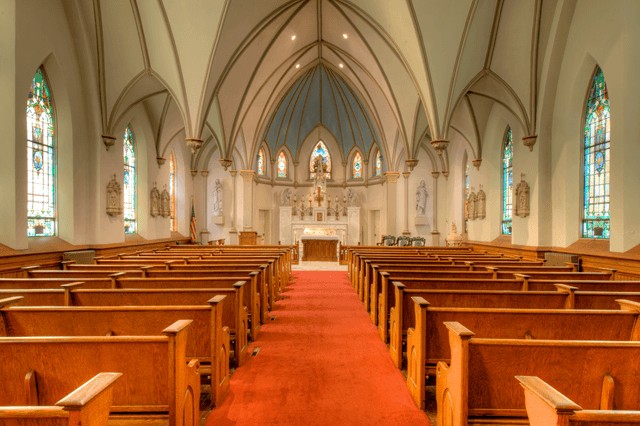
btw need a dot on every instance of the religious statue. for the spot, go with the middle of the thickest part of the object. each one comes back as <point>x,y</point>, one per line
<point>421,198</point>
<point>165,203</point>
<point>320,170</point>
<point>352,197</point>
<point>481,204</point>
<point>521,202</point>
<point>155,201</point>
<point>471,205</point>
<point>285,198</point>
<point>217,198</point>
<point>114,197</point>
<point>453,239</point>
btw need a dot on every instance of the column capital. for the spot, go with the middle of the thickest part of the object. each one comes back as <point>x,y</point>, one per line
<point>194,173</point>
<point>194,144</point>
<point>204,173</point>
<point>530,141</point>
<point>392,177</point>
<point>406,175</point>
<point>247,175</point>
<point>233,173</point>
<point>435,175</point>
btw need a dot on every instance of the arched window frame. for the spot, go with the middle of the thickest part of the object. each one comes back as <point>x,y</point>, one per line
<point>357,165</point>
<point>596,160</point>
<point>321,149</point>
<point>377,165</point>
<point>261,162</point>
<point>282,160</point>
<point>507,182</point>
<point>41,159</point>
<point>130,181</point>
<point>172,191</point>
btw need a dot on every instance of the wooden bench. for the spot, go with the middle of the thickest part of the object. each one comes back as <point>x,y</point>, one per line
<point>157,379</point>
<point>546,406</point>
<point>209,341</point>
<point>480,385</point>
<point>89,404</point>
<point>235,312</point>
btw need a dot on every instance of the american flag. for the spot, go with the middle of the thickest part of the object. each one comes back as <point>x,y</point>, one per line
<point>193,223</point>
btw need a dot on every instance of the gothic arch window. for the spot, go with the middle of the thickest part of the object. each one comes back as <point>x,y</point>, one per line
<point>283,165</point>
<point>172,191</point>
<point>260,168</point>
<point>41,159</point>
<point>378,165</point>
<point>597,128</point>
<point>507,181</point>
<point>129,182</point>
<point>356,166</point>
<point>467,190</point>
<point>322,151</point>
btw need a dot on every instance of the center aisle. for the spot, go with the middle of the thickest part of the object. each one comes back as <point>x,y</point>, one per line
<point>320,362</point>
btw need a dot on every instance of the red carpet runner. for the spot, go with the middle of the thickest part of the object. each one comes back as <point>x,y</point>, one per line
<point>321,362</point>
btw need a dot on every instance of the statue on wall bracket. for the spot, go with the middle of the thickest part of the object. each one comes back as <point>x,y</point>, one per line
<point>521,204</point>
<point>165,203</point>
<point>481,204</point>
<point>471,205</point>
<point>155,201</point>
<point>114,197</point>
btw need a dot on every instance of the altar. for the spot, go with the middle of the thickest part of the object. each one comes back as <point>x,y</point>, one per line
<point>323,248</point>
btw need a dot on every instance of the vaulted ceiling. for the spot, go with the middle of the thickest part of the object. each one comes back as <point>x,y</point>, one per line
<point>218,70</point>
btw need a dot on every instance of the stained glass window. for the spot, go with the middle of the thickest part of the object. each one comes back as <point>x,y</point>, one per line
<point>356,166</point>
<point>283,168</point>
<point>41,161</point>
<point>597,129</point>
<point>507,182</point>
<point>322,151</point>
<point>379,164</point>
<point>261,162</point>
<point>172,191</point>
<point>467,186</point>
<point>129,182</point>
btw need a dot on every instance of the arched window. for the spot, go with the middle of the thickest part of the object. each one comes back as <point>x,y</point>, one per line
<point>356,166</point>
<point>283,167</point>
<point>378,164</point>
<point>129,182</point>
<point>260,166</point>
<point>507,181</point>
<point>597,128</point>
<point>322,151</point>
<point>41,159</point>
<point>467,188</point>
<point>172,191</point>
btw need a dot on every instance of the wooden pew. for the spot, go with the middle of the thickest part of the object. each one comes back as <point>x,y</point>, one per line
<point>510,315</point>
<point>546,406</point>
<point>480,385</point>
<point>209,341</point>
<point>588,285</point>
<point>89,404</point>
<point>156,382</point>
<point>235,312</point>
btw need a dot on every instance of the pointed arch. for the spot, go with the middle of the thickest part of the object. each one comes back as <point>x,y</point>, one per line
<point>507,181</point>
<point>596,160</point>
<point>172,191</point>
<point>377,171</point>
<point>130,182</point>
<point>282,165</point>
<point>321,151</point>
<point>261,163</point>
<point>356,165</point>
<point>41,159</point>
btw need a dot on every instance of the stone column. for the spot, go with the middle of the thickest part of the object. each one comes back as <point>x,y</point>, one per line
<point>435,235</point>
<point>247,194</point>
<point>233,232</point>
<point>204,234</point>
<point>392,201</point>
<point>405,219</point>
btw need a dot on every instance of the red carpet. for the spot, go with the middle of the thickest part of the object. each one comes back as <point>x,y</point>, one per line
<point>321,362</point>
